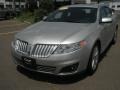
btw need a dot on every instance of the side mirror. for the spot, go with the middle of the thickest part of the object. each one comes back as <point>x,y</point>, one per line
<point>106,20</point>
<point>44,18</point>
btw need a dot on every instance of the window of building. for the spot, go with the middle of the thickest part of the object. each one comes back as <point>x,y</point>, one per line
<point>17,6</point>
<point>9,0</point>
<point>22,0</point>
<point>22,6</point>
<point>17,0</point>
<point>1,6</point>
<point>118,6</point>
<point>9,6</point>
<point>113,6</point>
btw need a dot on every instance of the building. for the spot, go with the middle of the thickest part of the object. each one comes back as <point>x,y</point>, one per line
<point>80,1</point>
<point>22,3</point>
<point>115,5</point>
<point>9,4</point>
<point>59,3</point>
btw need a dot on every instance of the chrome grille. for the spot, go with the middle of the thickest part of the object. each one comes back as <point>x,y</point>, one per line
<point>43,50</point>
<point>21,46</point>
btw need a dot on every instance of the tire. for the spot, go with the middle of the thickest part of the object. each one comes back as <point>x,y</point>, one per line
<point>114,40</point>
<point>93,60</point>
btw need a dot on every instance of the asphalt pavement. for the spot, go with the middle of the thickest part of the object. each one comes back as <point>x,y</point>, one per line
<point>107,76</point>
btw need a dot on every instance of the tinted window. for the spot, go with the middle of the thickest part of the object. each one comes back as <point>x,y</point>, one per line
<point>105,12</point>
<point>109,11</point>
<point>75,15</point>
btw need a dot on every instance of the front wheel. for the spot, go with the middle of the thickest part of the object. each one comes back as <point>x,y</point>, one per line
<point>94,60</point>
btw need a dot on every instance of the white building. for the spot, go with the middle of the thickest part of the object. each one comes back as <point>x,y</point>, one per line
<point>9,4</point>
<point>115,5</point>
<point>80,1</point>
<point>22,3</point>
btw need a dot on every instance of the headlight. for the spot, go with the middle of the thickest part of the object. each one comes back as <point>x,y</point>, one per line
<point>67,48</point>
<point>15,43</point>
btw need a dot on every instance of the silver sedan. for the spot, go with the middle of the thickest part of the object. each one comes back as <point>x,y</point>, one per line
<point>67,41</point>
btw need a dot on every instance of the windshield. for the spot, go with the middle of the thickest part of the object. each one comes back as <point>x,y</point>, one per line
<point>74,15</point>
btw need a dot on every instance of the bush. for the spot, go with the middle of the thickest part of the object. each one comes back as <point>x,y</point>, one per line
<point>46,6</point>
<point>39,14</point>
<point>26,16</point>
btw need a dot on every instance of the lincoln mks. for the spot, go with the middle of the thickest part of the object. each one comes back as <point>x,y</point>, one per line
<point>67,41</point>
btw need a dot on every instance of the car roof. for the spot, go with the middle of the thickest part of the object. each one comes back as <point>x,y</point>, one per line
<point>92,5</point>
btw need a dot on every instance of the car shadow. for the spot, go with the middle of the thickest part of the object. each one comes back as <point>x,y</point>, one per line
<point>58,79</point>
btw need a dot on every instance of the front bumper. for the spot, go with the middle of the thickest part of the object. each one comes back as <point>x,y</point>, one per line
<point>61,64</point>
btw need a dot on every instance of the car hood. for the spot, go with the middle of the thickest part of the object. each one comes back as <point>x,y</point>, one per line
<point>54,32</point>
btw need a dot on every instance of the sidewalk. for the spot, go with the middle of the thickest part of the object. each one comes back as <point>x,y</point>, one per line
<point>8,26</point>
<point>9,23</point>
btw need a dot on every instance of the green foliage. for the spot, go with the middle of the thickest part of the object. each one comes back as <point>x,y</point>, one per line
<point>39,14</point>
<point>47,5</point>
<point>26,16</point>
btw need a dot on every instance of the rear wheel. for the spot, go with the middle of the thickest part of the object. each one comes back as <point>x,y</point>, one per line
<point>94,60</point>
<point>114,40</point>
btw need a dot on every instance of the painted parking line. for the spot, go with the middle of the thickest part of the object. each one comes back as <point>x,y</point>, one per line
<point>7,33</point>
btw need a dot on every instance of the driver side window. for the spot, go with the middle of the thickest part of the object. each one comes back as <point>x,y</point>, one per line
<point>108,11</point>
<point>105,12</point>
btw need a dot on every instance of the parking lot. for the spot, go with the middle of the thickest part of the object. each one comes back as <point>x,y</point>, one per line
<point>107,76</point>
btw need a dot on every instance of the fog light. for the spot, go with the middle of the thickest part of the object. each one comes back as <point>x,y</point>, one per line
<point>69,69</point>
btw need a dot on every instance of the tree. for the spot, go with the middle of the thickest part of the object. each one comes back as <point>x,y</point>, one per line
<point>31,5</point>
<point>47,5</point>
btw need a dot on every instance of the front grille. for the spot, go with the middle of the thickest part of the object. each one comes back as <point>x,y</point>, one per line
<point>21,46</point>
<point>38,50</point>
<point>42,50</point>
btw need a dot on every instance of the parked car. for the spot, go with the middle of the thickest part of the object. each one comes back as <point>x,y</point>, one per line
<point>67,41</point>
